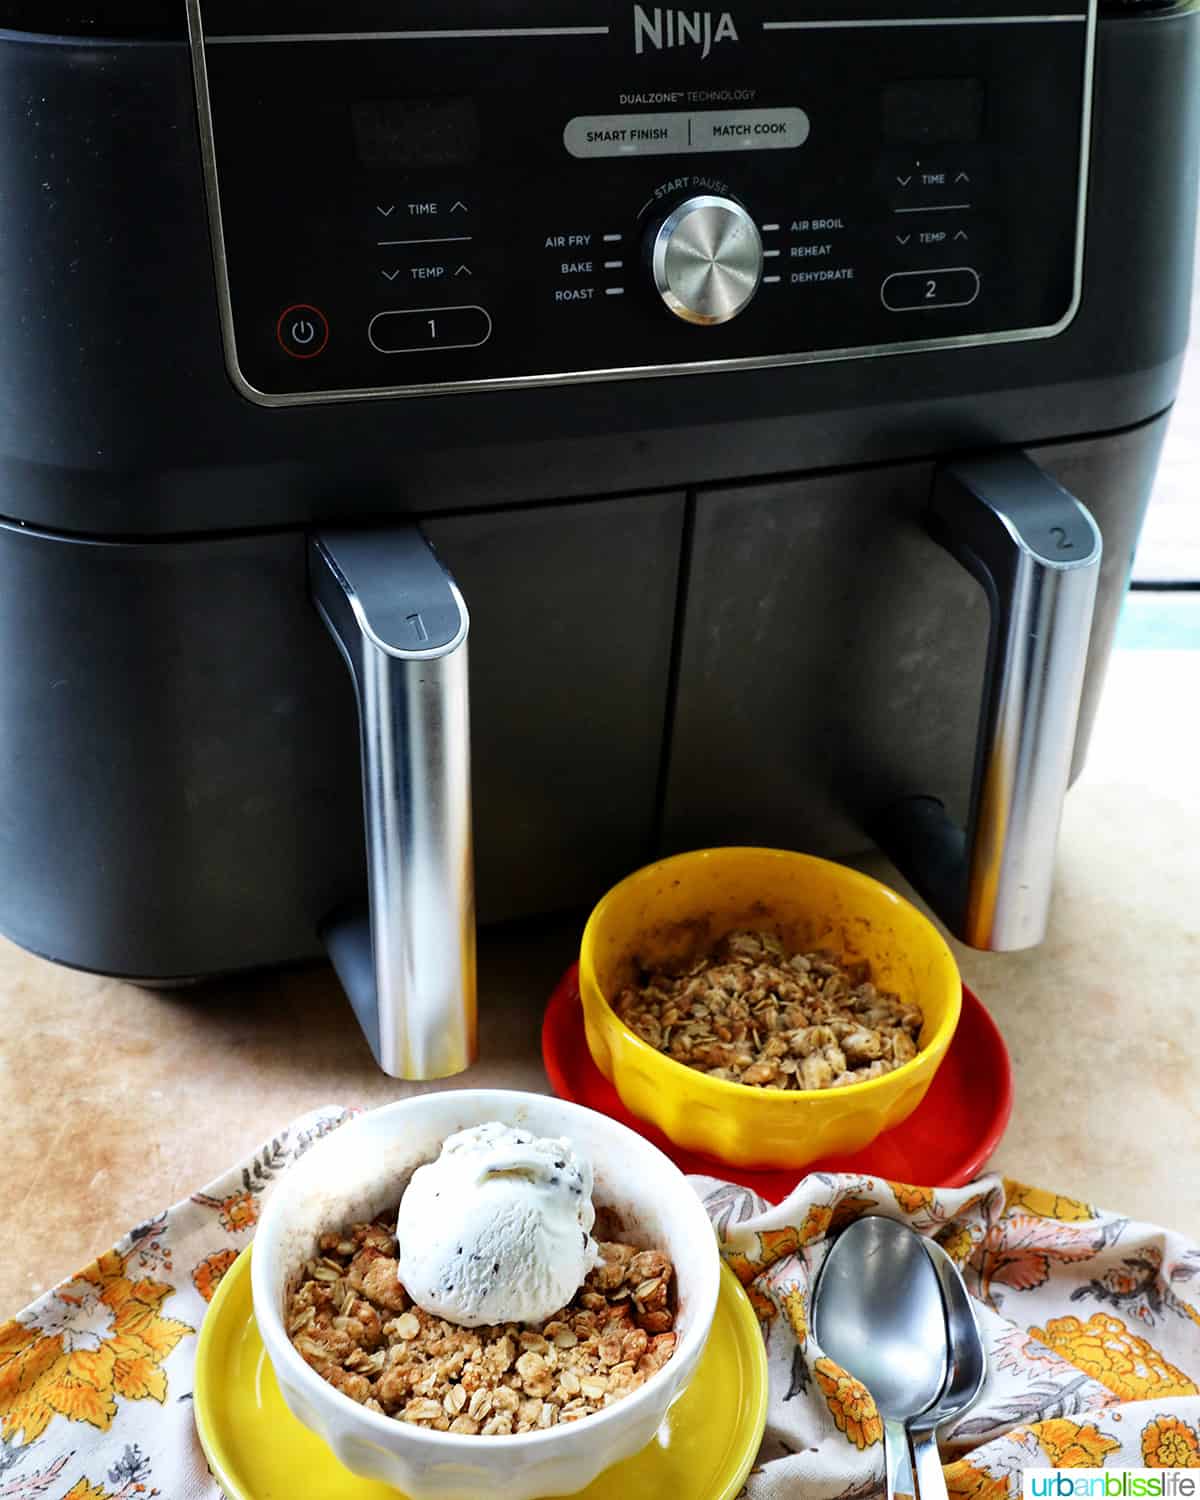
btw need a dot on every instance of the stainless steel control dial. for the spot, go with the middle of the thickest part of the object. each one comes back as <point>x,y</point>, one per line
<point>707,259</point>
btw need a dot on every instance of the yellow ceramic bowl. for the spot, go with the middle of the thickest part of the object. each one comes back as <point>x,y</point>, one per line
<point>685,904</point>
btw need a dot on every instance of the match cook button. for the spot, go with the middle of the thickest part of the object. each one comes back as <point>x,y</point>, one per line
<point>747,129</point>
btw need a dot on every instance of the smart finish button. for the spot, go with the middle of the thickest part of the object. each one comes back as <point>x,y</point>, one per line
<point>302,330</point>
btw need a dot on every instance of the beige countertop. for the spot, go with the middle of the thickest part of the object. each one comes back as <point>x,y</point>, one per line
<point>118,1101</point>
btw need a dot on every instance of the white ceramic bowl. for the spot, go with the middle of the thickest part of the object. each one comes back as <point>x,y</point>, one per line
<point>361,1169</point>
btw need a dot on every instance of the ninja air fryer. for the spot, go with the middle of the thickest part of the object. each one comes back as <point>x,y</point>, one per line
<point>474,447</point>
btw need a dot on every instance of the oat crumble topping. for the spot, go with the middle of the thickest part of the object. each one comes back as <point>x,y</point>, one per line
<point>749,1013</point>
<point>353,1322</point>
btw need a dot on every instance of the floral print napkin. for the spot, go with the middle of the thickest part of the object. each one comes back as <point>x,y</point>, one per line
<point>96,1375</point>
<point>1091,1321</point>
<point>1093,1342</point>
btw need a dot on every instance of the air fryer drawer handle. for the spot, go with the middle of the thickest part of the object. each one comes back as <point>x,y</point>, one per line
<point>1036,551</point>
<point>408,962</point>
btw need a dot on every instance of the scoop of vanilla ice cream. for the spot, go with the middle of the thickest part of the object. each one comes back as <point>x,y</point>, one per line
<point>498,1228</point>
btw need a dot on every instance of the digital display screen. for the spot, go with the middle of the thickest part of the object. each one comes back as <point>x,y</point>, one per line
<point>406,133</point>
<point>933,112</point>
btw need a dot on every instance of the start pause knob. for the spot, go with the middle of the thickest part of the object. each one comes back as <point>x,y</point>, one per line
<point>706,258</point>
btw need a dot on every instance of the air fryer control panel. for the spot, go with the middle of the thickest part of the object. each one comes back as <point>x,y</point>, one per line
<point>443,195</point>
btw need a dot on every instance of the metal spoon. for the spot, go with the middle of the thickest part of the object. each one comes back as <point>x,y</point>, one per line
<point>968,1369</point>
<point>878,1311</point>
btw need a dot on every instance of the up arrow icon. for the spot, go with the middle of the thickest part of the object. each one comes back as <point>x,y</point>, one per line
<point>463,271</point>
<point>458,207</point>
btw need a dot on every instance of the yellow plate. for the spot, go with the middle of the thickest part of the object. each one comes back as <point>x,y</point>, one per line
<point>258,1451</point>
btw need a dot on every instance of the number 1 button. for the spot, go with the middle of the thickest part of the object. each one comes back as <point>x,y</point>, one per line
<point>909,291</point>
<point>420,328</point>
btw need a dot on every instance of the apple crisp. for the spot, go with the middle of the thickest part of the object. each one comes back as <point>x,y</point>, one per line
<point>353,1322</point>
<point>748,1012</point>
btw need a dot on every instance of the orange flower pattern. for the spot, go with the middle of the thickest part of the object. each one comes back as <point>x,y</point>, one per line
<point>764,1308</point>
<point>956,1241</point>
<point>207,1275</point>
<point>849,1403</point>
<point>777,1244</point>
<point>1073,1445</point>
<point>816,1221</point>
<point>1123,1361</point>
<point>911,1199</point>
<point>238,1211</point>
<point>1168,1443</point>
<point>104,1359</point>
<point>964,1481</point>
<point>106,1339</point>
<point>796,1314</point>
<point>1046,1205</point>
<point>773,1246</point>
<point>1086,1312</point>
<point>743,1267</point>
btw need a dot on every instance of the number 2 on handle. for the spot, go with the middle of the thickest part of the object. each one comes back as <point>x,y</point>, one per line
<point>930,290</point>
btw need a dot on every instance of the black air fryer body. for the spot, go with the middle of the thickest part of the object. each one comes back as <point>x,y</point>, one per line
<point>705,604</point>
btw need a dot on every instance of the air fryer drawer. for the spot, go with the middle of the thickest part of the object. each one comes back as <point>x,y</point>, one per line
<point>179,772</point>
<point>832,654</point>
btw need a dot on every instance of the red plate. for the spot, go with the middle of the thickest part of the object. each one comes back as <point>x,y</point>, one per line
<point>943,1143</point>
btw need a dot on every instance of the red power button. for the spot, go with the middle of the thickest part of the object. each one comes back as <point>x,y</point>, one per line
<point>302,330</point>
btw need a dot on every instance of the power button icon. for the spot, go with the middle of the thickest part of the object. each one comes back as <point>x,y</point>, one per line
<point>302,330</point>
